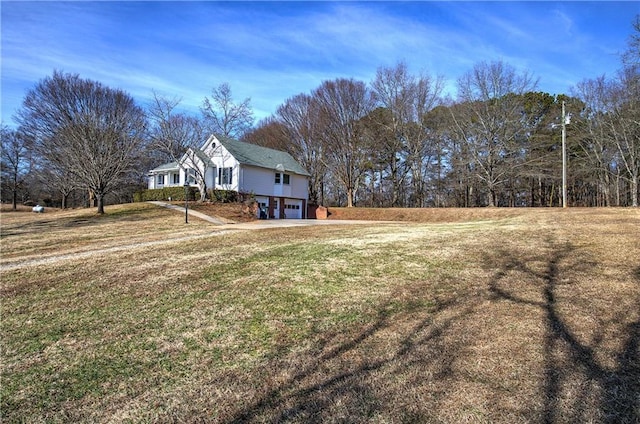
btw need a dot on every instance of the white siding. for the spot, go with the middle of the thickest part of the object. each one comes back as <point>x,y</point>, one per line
<point>259,181</point>
<point>210,177</point>
<point>299,187</point>
<point>221,158</point>
<point>153,183</point>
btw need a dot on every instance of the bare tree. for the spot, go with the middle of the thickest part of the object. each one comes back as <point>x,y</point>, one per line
<point>57,180</point>
<point>422,148</point>
<point>611,130</point>
<point>624,125</point>
<point>627,111</point>
<point>392,91</point>
<point>300,117</point>
<point>15,163</point>
<point>179,137</point>
<point>225,117</point>
<point>596,148</point>
<point>269,132</point>
<point>409,98</point>
<point>93,133</point>
<point>491,121</point>
<point>295,128</point>
<point>342,103</point>
<point>386,179</point>
<point>461,181</point>
<point>438,128</point>
<point>631,57</point>
<point>170,131</point>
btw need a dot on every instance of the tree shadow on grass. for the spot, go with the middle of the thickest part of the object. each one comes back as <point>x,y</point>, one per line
<point>340,385</point>
<point>427,373</point>
<point>51,223</point>
<point>579,385</point>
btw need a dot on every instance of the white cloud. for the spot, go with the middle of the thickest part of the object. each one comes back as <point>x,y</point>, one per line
<point>272,51</point>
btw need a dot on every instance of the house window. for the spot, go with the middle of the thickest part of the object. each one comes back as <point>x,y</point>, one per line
<point>225,176</point>
<point>278,178</point>
<point>160,179</point>
<point>191,176</point>
<point>286,178</point>
<point>176,179</point>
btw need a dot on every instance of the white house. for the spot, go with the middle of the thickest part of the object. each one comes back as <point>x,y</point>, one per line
<point>278,183</point>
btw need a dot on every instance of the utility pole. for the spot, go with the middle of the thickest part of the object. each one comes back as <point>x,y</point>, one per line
<point>564,158</point>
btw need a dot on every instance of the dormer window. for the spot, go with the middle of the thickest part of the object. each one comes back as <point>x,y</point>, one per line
<point>286,179</point>
<point>278,178</point>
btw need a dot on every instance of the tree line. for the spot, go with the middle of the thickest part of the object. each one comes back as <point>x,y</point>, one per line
<point>393,142</point>
<point>81,143</point>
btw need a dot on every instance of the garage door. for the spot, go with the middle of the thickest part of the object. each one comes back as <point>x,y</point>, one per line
<point>293,209</point>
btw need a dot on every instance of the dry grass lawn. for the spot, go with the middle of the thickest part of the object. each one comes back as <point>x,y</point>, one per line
<point>484,315</point>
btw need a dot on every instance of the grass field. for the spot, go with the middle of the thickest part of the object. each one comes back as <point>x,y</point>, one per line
<point>485,315</point>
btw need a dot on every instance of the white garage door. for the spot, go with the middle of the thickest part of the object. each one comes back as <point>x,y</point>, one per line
<point>293,209</point>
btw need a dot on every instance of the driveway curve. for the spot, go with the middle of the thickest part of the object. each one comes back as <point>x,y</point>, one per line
<point>221,228</point>
<point>265,223</point>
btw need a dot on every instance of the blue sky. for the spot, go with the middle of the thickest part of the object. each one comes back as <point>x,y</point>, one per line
<point>270,51</point>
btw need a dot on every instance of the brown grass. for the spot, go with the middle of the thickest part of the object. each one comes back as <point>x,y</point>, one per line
<point>424,214</point>
<point>478,316</point>
<point>236,212</point>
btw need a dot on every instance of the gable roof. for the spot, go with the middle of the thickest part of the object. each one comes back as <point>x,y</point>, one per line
<point>264,157</point>
<point>203,156</point>
<point>166,167</point>
<point>247,154</point>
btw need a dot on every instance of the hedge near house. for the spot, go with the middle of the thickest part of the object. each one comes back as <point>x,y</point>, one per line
<point>166,194</point>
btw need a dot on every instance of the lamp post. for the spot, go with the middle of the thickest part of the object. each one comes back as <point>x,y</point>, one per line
<point>186,201</point>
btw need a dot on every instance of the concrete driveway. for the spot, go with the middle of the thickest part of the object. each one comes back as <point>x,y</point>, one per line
<point>260,224</point>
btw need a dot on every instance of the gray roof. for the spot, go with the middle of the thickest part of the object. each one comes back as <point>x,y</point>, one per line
<point>203,157</point>
<point>166,167</point>
<point>249,154</point>
<point>252,154</point>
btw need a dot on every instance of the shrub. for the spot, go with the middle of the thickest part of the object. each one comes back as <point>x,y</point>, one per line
<point>223,196</point>
<point>166,193</point>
